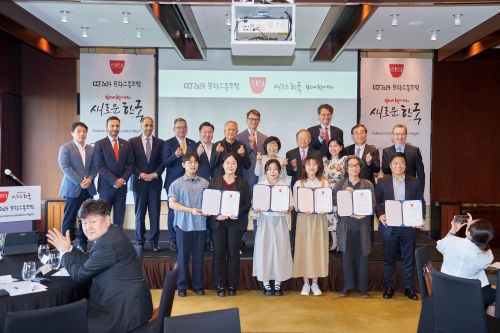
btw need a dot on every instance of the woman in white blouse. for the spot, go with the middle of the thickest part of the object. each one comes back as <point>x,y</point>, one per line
<point>468,257</point>
<point>272,146</point>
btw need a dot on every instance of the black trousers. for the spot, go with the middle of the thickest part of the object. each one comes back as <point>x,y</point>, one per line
<point>294,227</point>
<point>190,242</point>
<point>354,263</point>
<point>407,237</point>
<point>71,207</point>
<point>226,256</point>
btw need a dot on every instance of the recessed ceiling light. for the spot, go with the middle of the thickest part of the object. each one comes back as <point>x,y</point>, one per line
<point>125,17</point>
<point>104,20</point>
<point>394,19</point>
<point>416,23</point>
<point>84,32</point>
<point>64,18</point>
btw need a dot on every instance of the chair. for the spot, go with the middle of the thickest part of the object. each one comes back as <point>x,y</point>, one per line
<point>459,306</point>
<point>426,322</point>
<point>166,301</point>
<point>497,298</point>
<point>138,249</point>
<point>56,319</point>
<point>220,321</point>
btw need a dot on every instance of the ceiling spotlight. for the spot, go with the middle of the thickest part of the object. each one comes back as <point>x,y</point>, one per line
<point>457,18</point>
<point>434,35</point>
<point>125,17</point>
<point>379,35</point>
<point>395,19</point>
<point>84,32</point>
<point>64,18</point>
<point>228,21</point>
<point>139,32</point>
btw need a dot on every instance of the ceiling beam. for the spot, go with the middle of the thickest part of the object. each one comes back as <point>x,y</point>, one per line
<point>339,28</point>
<point>480,38</point>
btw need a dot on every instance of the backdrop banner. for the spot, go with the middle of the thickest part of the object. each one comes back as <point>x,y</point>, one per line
<point>398,91</point>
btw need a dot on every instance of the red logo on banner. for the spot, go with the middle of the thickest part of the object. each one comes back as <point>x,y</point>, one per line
<point>257,84</point>
<point>396,69</point>
<point>117,66</point>
<point>3,196</point>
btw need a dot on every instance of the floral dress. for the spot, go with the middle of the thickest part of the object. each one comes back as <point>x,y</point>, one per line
<point>330,172</point>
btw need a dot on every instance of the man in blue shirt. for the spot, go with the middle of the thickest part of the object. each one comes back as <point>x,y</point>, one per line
<point>185,197</point>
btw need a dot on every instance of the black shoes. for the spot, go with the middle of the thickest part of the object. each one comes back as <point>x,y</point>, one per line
<point>231,291</point>
<point>278,292</point>
<point>389,292</point>
<point>208,247</point>
<point>83,248</point>
<point>141,245</point>
<point>173,247</point>
<point>267,291</point>
<point>242,245</point>
<point>199,291</point>
<point>221,291</point>
<point>155,247</point>
<point>411,293</point>
<point>182,293</point>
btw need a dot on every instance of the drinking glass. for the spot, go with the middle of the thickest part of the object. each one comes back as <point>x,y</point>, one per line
<point>55,260</point>
<point>43,249</point>
<point>29,270</point>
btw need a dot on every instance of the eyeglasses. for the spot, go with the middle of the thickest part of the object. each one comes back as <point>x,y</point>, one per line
<point>353,165</point>
<point>180,127</point>
<point>254,119</point>
<point>399,134</point>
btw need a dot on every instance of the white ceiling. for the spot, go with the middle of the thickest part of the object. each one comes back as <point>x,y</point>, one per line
<point>211,20</point>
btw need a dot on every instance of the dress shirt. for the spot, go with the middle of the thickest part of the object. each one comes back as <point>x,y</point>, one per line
<point>361,149</point>
<point>113,144</point>
<point>189,193</point>
<point>464,259</point>
<point>208,150</point>
<point>399,188</point>
<point>180,143</point>
<point>402,148</point>
<point>143,137</point>
<point>300,153</point>
<point>249,133</point>
<point>327,128</point>
<point>82,150</point>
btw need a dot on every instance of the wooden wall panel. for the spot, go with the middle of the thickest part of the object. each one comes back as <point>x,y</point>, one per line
<point>465,132</point>
<point>49,109</point>
<point>10,64</point>
<point>448,210</point>
<point>10,137</point>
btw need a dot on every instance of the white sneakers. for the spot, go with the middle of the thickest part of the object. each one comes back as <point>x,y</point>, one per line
<point>315,289</point>
<point>306,289</point>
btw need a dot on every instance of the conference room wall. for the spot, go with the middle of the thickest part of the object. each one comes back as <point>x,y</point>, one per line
<point>465,131</point>
<point>10,64</point>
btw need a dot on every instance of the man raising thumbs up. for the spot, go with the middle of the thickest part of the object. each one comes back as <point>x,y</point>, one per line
<point>230,145</point>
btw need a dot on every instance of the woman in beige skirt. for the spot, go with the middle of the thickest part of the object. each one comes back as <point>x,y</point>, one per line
<point>311,239</point>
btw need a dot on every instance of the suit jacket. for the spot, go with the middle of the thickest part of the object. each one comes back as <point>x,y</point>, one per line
<point>120,299</point>
<point>295,154</point>
<point>216,159</point>
<point>108,168</point>
<point>368,170</point>
<point>71,164</point>
<point>241,222</point>
<point>204,170</point>
<point>249,174</point>
<point>335,132</point>
<point>142,165</point>
<point>171,162</point>
<point>414,166</point>
<point>385,191</point>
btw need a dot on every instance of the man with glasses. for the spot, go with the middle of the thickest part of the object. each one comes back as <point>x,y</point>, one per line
<point>414,166</point>
<point>253,141</point>
<point>324,132</point>
<point>173,149</point>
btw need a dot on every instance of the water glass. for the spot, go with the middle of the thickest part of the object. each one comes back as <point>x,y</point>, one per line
<point>29,270</point>
<point>55,260</point>
<point>43,249</point>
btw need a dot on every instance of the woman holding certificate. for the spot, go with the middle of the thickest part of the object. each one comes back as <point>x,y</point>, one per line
<point>226,230</point>
<point>333,170</point>
<point>311,238</point>
<point>353,232</point>
<point>272,146</point>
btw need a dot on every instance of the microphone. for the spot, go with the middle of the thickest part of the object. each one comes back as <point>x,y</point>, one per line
<point>11,175</point>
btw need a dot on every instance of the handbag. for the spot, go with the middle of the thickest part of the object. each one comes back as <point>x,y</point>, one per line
<point>428,276</point>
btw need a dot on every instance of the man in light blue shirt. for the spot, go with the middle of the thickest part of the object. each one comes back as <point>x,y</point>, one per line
<point>185,197</point>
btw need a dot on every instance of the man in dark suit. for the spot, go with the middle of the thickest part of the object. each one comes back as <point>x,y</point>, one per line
<point>114,161</point>
<point>120,300</point>
<point>294,167</point>
<point>370,157</point>
<point>415,166</point>
<point>204,150</point>
<point>77,163</point>
<point>324,132</point>
<point>173,149</point>
<point>398,186</point>
<point>146,182</point>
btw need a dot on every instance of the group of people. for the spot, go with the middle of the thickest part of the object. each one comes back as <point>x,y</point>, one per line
<point>237,162</point>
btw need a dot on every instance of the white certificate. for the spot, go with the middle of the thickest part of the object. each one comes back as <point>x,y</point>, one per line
<point>230,203</point>
<point>261,197</point>
<point>323,200</point>
<point>210,203</point>
<point>344,203</point>
<point>280,198</point>
<point>305,199</point>
<point>412,213</point>
<point>393,215</point>
<point>362,202</point>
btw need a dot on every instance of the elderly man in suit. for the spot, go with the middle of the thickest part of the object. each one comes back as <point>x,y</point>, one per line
<point>324,132</point>
<point>173,149</point>
<point>120,300</point>
<point>368,154</point>
<point>146,182</point>
<point>114,161</point>
<point>253,140</point>
<point>77,163</point>
<point>294,167</point>
<point>415,166</point>
<point>398,186</point>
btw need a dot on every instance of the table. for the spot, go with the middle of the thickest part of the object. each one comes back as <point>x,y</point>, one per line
<point>60,289</point>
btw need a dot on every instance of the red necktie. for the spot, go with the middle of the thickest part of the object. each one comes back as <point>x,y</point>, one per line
<point>254,143</point>
<point>327,137</point>
<point>115,148</point>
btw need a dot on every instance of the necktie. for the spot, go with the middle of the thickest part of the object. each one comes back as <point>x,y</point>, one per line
<point>400,149</point>
<point>183,147</point>
<point>327,137</point>
<point>148,149</point>
<point>115,148</point>
<point>358,152</point>
<point>303,155</point>
<point>254,143</point>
